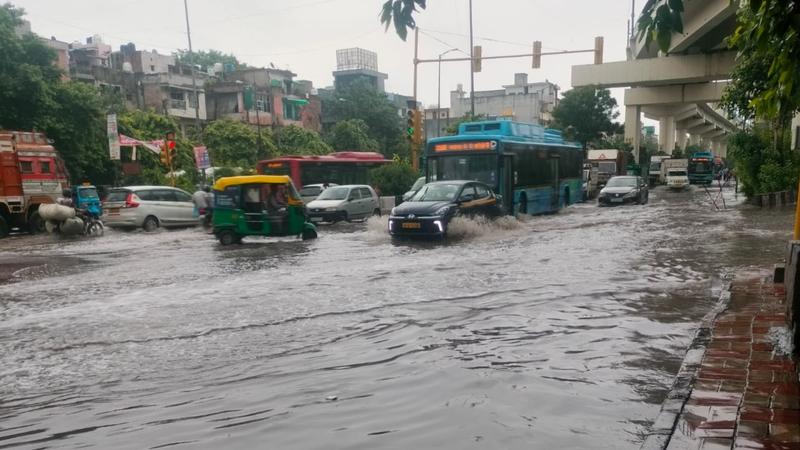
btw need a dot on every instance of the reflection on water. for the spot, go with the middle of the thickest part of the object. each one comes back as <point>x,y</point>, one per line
<point>548,332</point>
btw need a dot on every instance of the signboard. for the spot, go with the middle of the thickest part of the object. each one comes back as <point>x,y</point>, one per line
<point>201,158</point>
<point>465,146</point>
<point>113,137</point>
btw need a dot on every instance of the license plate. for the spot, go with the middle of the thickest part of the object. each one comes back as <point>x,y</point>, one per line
<point>412,225</point>
<point>316,219</point>
<point>616,200</point>
<point>113,212</point>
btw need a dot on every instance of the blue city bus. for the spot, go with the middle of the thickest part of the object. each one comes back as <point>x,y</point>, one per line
<point>701,168</point>
<point>532,168</point>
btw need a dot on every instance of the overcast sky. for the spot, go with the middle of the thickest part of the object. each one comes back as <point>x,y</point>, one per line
<point>303,35</point>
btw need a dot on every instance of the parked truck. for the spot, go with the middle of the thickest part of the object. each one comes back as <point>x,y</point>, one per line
<point>655,177</point>
<point>609,163</point>
<point>31,174</point>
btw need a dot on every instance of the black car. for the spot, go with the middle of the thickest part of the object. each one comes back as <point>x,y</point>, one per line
<point>624,189</point>
<point>429,211</point>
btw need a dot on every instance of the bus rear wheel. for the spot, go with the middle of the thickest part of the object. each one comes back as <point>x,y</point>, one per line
<point>567,201</point>
<point>4,230</point>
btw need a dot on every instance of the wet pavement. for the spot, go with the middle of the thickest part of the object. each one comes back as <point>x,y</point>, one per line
<point>561,331</point>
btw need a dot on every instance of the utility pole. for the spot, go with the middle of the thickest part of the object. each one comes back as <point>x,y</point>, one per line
<point>472,61</point>
<point>258,120</point>
<point>439,102</point>
<point>191,62</point>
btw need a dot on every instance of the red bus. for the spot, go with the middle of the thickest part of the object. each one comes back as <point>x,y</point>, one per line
<point>337,168</point>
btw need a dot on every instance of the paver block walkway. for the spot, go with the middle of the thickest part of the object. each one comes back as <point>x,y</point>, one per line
<point>746,394</point>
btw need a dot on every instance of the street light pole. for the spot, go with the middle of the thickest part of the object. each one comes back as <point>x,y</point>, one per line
<point>439,103</point>
<point>471,65</point>
<point>191,62</point>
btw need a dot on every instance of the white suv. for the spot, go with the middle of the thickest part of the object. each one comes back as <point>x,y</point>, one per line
<point>148,207</point>
<point>349,202</point>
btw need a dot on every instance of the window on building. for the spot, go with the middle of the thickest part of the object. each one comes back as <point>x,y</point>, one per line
<point>291,111</point>
<point>177,100</point>
<point>192,99</point>
<point>262,103</point>
<point>152,68</point>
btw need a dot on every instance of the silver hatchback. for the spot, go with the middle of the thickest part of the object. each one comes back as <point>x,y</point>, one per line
<point>349,202</point>
<point>148,207</point>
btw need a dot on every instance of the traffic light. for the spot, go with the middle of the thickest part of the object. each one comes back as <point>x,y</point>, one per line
<point>477,53</point>
<point>598,50</point>
<point>410,125</point>
<point>418,127</point>
<point>537,54</point>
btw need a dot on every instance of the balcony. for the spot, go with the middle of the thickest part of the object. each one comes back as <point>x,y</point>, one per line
<point>177,104</point>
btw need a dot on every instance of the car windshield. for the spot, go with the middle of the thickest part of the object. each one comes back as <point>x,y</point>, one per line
<point>334,193</point>
<point>677,173</point>
<point>310,191</point>
<point>622,182</point>
<point>418,184</point>
<point>436,193</point>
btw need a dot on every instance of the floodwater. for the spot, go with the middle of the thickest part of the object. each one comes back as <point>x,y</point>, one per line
<point>562,331</point>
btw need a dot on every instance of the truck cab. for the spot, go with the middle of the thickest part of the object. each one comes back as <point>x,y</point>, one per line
<point>31,174</point>
<point>677,178</point>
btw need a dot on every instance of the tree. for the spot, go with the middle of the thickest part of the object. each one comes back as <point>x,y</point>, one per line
<point>235,144</point>
<point>659,20</point>
<point>360,100</point>
<point>587,112</point>
<point>401,12</point>
<point>294,140</point>
<point>27,74</point>
<point>207,58</point>
<point>769,31</point>
<point>395,178</point>
<point>749,78</point>
<point>352,134</point>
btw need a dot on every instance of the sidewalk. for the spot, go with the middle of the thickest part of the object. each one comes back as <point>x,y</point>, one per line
<point>744,393</point>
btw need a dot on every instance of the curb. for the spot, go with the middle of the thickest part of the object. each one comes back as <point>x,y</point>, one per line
<point>664,425</point>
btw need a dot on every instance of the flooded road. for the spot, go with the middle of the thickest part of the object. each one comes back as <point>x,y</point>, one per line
<point>562,331</point>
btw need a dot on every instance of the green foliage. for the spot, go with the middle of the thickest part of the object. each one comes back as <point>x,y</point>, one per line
<point>351,134</point>
<point>401,12</point>
<point>294,140</point>
<point>395,178</point>
<point>362,101</point>
<point>207,58</point>
<point>760,167</point>
<point>452,129</point>
<point>769,34</point>
<point>659,20</point>
<point>232,143</point>
<point>586,113</point>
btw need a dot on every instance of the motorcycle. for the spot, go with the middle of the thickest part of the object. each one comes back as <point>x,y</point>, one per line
<point>70,221</point>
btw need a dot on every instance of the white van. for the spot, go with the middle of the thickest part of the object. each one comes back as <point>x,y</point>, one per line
<point>677,179</point>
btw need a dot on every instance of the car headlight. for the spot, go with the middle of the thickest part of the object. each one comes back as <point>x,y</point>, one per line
<point>442,211</point>
<point>603,193</point>
<point>392,212</point>
<point>330,209</point>
<point>630,194</point>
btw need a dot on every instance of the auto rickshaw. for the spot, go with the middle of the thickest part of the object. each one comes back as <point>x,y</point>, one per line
<point>258,205</point>
<point>85,197</point>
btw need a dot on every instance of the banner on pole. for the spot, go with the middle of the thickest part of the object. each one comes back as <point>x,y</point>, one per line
<point>201,158</point>
<point>113,138</point>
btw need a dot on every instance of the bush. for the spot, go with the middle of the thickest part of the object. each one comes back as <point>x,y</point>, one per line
<point>395,178</point>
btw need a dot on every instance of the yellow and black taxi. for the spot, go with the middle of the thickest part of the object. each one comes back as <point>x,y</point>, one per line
<point>430,210</point>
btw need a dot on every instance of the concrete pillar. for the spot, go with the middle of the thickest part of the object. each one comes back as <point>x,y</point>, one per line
<point>715,147</point>
<point>666,134</point>
<point>694,139</point>
<point>633,128</point>
<point>682,139</point>
<point>723,148</point>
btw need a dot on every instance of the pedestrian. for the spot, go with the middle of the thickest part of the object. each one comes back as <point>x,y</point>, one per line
<point>200,202</point>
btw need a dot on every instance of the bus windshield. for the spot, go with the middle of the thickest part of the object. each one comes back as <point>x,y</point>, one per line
<point>436,193</point>
<point>472,167</point>
<point>700,166</point>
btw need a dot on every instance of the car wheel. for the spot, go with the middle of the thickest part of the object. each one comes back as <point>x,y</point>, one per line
<point>35,223</point>
<point>150,224</point>
<point>228,237</point>
<point>309,234</point>
<point>345,217</point>
<point>3,227</point>
<point>96,229</point>
<point>376,212</point>
<point>523,204</point>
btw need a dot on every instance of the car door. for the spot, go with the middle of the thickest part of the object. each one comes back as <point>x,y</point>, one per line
<point>369,200</point>
<point>163,205</point>
<point>183,207</point>
<point>467,200</point>
<point>352,205</point>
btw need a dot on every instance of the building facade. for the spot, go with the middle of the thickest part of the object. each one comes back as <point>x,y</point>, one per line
<point>521,101</point>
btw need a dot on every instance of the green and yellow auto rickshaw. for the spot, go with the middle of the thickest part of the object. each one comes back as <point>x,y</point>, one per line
<point>258,205</point>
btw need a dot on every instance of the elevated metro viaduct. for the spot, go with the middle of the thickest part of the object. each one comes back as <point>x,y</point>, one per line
<point>680,88</point>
